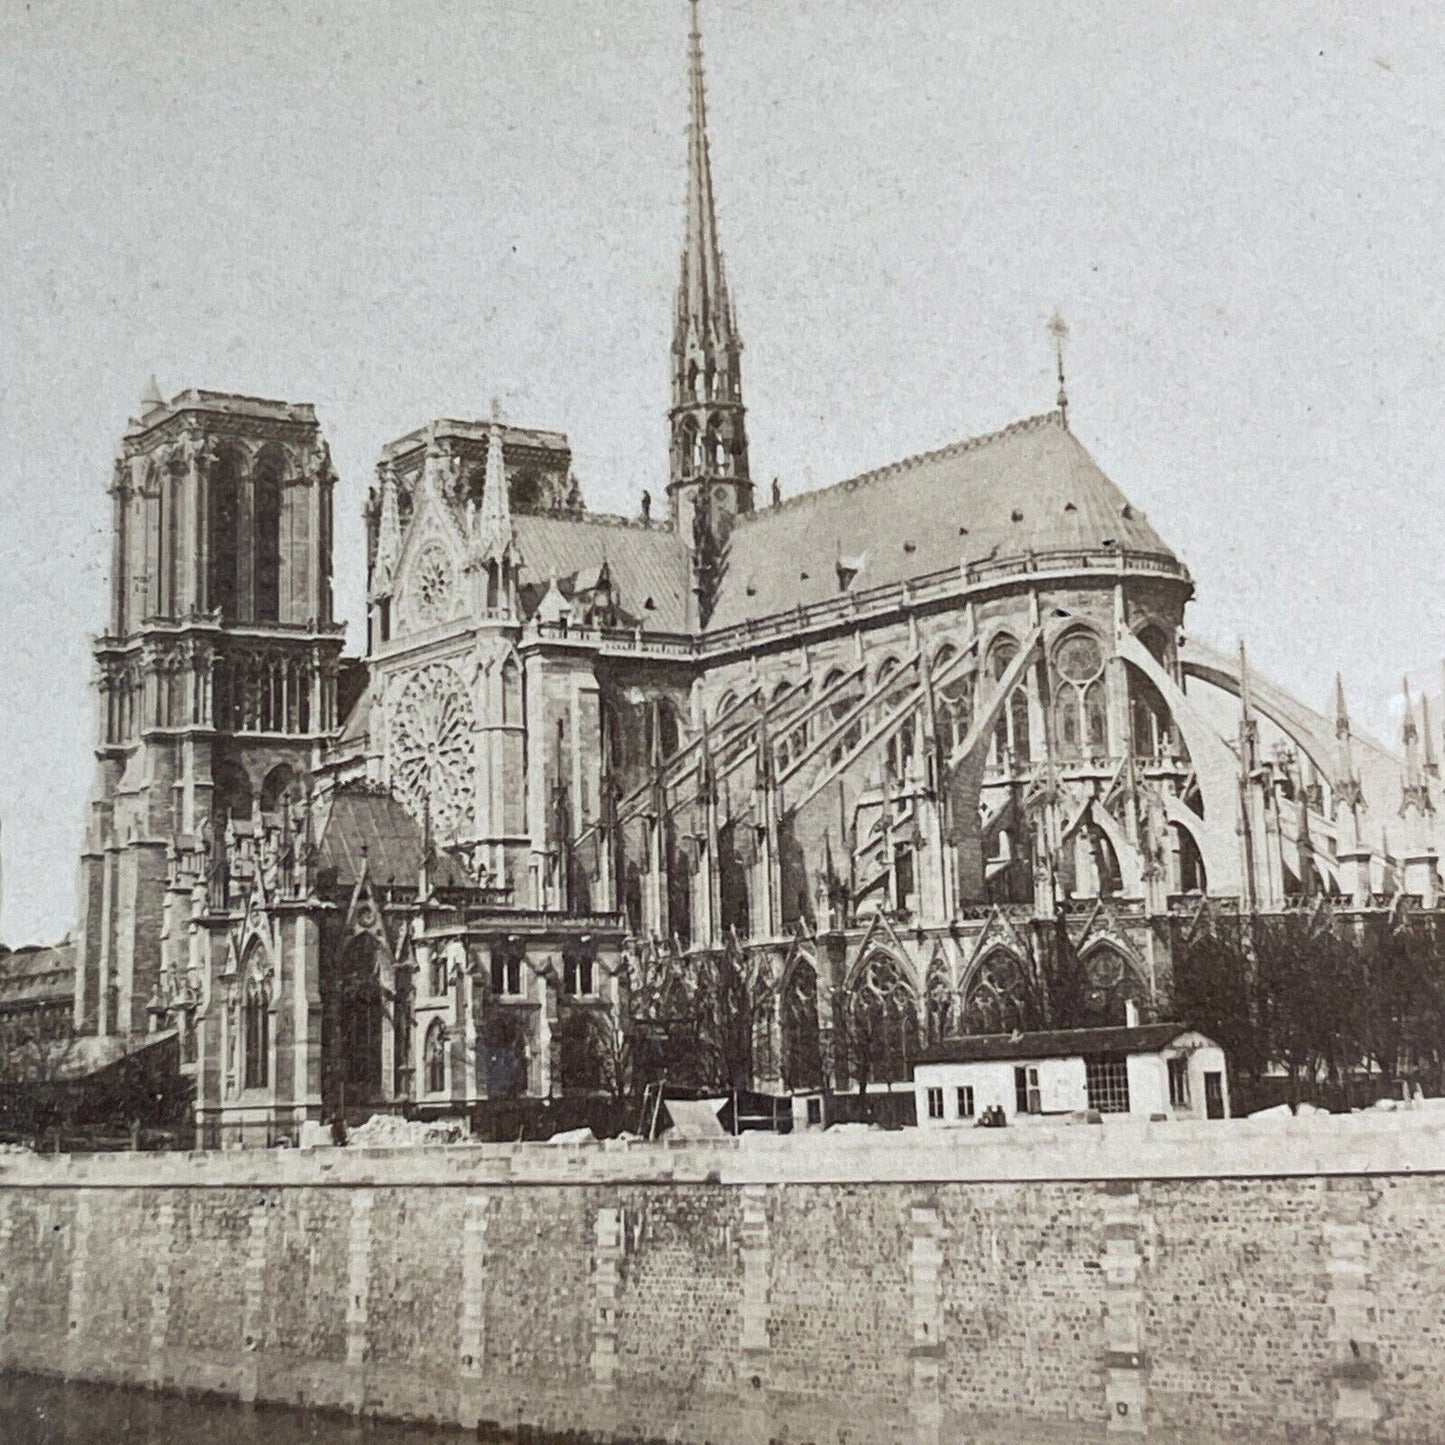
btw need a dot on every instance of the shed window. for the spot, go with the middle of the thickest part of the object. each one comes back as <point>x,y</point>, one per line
<point>1027,1097</point>
<point>935,1103</point>
<point>1179,1083</point>
<point>965,1101</point>
<point>1108,1085</point>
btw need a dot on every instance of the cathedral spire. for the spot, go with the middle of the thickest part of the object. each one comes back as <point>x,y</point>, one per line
<point>708,478</point>
<point>703,294</point>
<point>1346,787</point>
<point>1416,790</point>
<point>1059,329</point>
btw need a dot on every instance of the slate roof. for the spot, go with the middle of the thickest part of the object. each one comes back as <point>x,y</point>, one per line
<point>37,974</point>
<point>1056,1044</point>
<point>645,563</point>
<point>1032,486</point>
<point>372,828</point>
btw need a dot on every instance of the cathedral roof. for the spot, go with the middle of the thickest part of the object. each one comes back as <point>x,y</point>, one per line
<point>1029,488</point>
<point>645,564</point>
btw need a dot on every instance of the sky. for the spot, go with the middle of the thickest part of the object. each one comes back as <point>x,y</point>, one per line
<point>398,211</point>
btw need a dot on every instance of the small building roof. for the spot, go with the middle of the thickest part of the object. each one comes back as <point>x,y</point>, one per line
<point>1054,1044</point>
<point>37,974</point>
<point>648,567</point>
<point>365,827</point>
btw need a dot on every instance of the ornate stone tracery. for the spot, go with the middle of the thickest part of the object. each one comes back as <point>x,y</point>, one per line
<point>432,749</point>
<point>432,584</point>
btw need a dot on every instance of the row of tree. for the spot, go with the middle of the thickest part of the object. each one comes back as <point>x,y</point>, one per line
<point>1346,1006</point>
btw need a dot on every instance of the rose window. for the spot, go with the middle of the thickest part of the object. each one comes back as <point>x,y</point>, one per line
<point>432,750</point>
<point>433,585</point>
<point>1079,659</point>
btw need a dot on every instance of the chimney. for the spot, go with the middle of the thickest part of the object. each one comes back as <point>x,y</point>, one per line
<point>1131,1014</point>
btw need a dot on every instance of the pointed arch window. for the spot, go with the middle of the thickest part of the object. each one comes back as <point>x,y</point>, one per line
<point>1081,725</point>
<point>266,540</point>
<point>899,749</point>
<point>256,1032</point>
<point>714,453</point>
<point>689,446</point>
<point>436,1057</point>
<point>848,698</point>
<point>1149,718</point>
<point>1011,732</point>
<point>172,492</point>
<point>953,703</point>
<point>222,533</point>
<point>783,751</point>
<point>511,692</point>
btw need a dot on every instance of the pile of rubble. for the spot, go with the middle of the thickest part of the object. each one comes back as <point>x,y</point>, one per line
<point>391,1131</point>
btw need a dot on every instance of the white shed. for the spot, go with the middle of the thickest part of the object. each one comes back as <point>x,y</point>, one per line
<point>1165,1070</point>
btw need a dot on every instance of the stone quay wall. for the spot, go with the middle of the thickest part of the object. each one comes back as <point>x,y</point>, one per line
<point>1174,1281</point>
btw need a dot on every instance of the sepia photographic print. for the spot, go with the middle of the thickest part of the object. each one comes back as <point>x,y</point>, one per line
<point>722,722</point>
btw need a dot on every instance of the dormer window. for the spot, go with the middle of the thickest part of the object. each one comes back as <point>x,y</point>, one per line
<point>1018,516</point>
<point>848,570</point>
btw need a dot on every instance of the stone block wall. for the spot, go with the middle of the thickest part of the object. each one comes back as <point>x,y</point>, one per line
<point>1170,1282</point>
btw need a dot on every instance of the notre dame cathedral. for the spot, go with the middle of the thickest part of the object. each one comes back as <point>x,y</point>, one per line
<point>863,740</point>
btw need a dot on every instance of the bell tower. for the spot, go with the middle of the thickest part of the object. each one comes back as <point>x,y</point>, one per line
<point>709,482</point>
<point>216,675</point>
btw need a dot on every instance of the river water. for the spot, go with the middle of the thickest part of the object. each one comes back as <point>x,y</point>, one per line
<point>40,1411</point>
